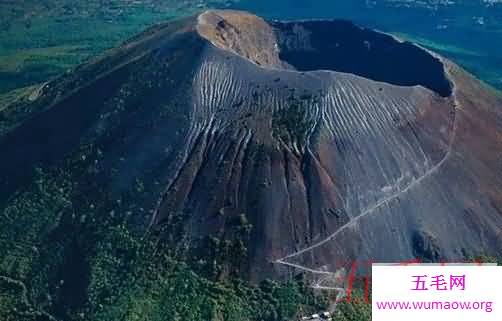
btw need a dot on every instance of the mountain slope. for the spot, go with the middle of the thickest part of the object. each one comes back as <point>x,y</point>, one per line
<point>301,144</point>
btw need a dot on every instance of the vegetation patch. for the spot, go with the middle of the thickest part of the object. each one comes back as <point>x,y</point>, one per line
<point>291,124</point>
<point>70,251</point>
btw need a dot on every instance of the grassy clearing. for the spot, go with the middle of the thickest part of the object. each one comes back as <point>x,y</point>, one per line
<point>63,56</point>
<point>10,97</point>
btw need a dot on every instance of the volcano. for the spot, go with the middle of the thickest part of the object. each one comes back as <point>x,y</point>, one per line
<point>319,141</point>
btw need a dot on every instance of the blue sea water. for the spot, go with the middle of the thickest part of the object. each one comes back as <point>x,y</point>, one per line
<point>469,32</point>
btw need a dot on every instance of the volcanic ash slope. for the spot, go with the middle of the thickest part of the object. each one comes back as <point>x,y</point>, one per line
<point>330,141</point>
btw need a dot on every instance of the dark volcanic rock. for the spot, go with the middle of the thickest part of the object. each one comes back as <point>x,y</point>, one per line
<point>425,247</point>
<point>311,142</point>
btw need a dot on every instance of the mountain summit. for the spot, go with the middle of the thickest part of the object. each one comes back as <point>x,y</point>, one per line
<point>300,145</point>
